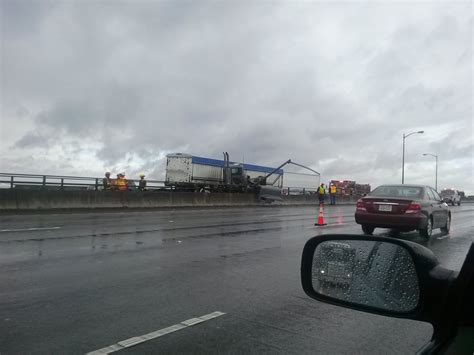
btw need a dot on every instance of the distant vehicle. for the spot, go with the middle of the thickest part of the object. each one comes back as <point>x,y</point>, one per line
<point>336,262</point>
<point>350,188</point>
<point>344,187</point>
<point>451,196</point>
<point>404,208</point>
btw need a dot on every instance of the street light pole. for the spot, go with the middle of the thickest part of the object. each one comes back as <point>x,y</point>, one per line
<point>403,160</point>
<point>403,154</point>
<point>436,174</point>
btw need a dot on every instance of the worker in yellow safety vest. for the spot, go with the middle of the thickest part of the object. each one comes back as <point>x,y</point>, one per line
<point>321,193</point>
<point>121,182</point>
<point>332,193</point>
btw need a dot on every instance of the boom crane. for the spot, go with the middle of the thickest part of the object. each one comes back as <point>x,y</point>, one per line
<point>263,179</point>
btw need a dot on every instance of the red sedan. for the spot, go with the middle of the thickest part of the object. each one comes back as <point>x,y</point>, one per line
<point>404,208</point>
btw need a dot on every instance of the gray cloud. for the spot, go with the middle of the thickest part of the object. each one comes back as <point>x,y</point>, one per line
<point>32,140</point>
<point>333,86</point>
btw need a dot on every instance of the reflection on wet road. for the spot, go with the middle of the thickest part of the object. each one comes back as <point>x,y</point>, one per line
<point>79,282</point>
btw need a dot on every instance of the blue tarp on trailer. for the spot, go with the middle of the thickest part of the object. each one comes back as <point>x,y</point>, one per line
<point>248,167</point>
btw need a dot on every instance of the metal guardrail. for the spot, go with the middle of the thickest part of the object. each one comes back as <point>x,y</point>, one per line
<point>66,182</point>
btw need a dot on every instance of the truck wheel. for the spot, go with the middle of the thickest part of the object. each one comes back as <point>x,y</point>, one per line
<point>428,230</point>
<point>447,227</point>
<point>367,229</point>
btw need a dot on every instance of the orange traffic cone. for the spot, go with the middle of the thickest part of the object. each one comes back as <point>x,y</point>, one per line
<point>320,216</point>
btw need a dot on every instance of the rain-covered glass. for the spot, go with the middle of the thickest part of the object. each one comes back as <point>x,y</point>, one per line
<point>370,273</point>
<point>397,191</point>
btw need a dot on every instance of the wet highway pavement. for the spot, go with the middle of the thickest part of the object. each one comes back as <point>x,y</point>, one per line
<point>75,283</point>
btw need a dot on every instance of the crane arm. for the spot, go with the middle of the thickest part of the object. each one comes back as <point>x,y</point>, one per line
<point>275,170</point>
<point>302,166</point>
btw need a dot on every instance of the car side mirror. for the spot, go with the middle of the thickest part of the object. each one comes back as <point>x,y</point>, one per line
<point>379,275</point>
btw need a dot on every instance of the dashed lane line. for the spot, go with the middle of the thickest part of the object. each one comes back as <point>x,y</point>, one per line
<point>156,334</point>
<point>29,229</point>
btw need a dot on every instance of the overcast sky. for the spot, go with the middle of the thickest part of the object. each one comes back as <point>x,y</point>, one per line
<point>89,86</point>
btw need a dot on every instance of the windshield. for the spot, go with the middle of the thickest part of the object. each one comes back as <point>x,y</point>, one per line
<point>163,163</point>
<point>447,192</point>
<point>397,191</point>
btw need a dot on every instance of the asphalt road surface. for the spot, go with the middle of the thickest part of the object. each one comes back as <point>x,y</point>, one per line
<point>77,283</point>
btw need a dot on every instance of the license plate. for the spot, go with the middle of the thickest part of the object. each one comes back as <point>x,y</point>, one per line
<point>385,208</point>
<point>335,269</point>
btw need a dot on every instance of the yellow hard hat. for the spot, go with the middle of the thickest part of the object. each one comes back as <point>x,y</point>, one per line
<point>141,175</point>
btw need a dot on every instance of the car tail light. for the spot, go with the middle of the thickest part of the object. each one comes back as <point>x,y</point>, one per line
<point>413,208</point>
<point>361,206</point>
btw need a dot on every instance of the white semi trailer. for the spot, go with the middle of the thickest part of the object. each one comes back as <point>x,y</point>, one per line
<point>188,172</point>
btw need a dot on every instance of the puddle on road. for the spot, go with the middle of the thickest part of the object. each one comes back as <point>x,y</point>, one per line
<point>45,248</point>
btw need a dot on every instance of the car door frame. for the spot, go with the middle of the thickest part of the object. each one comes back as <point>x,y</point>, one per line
<point>431,206</point>
<point>441,211</point>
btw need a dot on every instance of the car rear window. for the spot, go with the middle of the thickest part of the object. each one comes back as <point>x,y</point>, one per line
<point>430,194</point>
<point>397,191</point>
<point>436,195</point>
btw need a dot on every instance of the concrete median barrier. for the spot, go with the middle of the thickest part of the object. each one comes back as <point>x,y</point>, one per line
<point>314,199</point>
<point>17,200</point>
<point>37,200</point>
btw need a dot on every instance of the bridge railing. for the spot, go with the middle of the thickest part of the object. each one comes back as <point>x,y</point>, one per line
<point>65,182</point>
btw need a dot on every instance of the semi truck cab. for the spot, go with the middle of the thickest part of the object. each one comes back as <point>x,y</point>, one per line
<point>237,175</point>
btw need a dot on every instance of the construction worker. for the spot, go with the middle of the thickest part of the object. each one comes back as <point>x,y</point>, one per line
<point>142,182</point>
<point>107,181</point>
<point>321,193</point>
<point>332,193</point>
<point>113,183</point>
<point>121,182</point>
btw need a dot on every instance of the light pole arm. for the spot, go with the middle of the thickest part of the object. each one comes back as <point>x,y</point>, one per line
<point>409,134</point>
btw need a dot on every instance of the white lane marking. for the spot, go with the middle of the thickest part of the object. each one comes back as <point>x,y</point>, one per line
<point>329,225</point>
<point>29,229</point>
<point>192,321</point>
<point>153,335</point>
